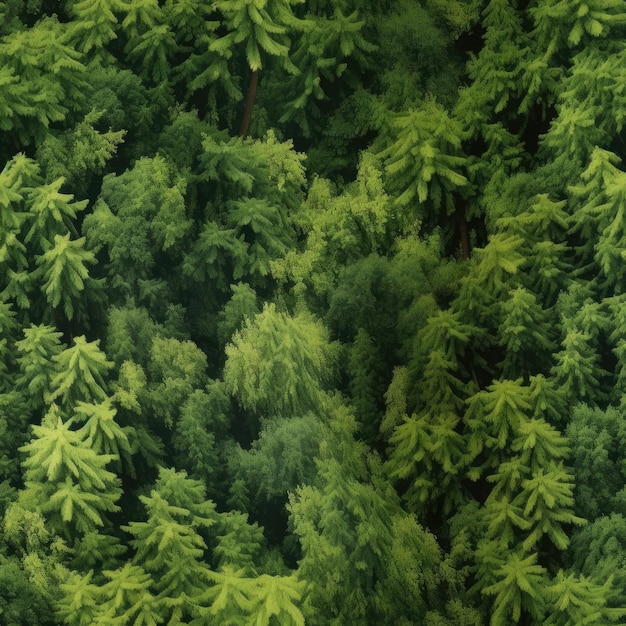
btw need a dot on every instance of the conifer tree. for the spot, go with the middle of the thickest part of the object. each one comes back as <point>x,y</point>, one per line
<point>81,601</point>
<point>518,588</point>
<point>344,528</point>
<point>547,498</point>
<point>51,75</point>
<point>41,344</point>
<point>95,26</point>
<point>66,479</point>
<point>565,23</point>
<point>297,360</point>
<point>523,334</point>
<point>168,544</point>
<point>52,213</point>
<point>126,598</point>
<point>63,269</point>
<point>259,27</point>
<point>577,370</point>
<point>149,38</point>
<point>80,375</point>
<point>423,159</point>
<point>576,600</point>
<point>101,431</point>
<point>321,54</point>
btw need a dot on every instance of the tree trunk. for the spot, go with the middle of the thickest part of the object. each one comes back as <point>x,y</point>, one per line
<point>247,114</point>
<point>465,246</point>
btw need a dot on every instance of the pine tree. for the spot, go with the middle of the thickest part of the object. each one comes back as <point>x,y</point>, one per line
<point>547,498</point>
<point>344,528</point>
<point>68,480</point>
<point>16,179</point>
<point>51,78</point>
<point>263,226</point>
<point>80,603</point>
<point>63,269</point>
<point>149,38</point>
<point>496,415</point>
<point>518,587</point>
<point>80,375</point>
<point>423,159</point>
<point>168,545</point>
<point>52,213</point>
<point>523,335</point>
<point>575,600</point>
<point>41,344</point>
<point>101,431</point>
<point>577,370</point>
<point>260,27</point>
<point>297,360</point>
<point>565,23</point>
<point>95,26</point>
<point>126,598</point>
<point>321,55</point>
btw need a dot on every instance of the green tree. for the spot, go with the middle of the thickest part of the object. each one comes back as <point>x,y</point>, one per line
<point>150,39</point>
<point>235,599</point>
<point>565,23</point>
<point>64,273</point>
<point>37,351</point>
<point>102,432</point>
<point>496,415</point>
<point>519,587</point>
<point>322,53</point>
<point>547,498</point>
<point>523,335</point>
<point>596,438</point>
<point>598,553</point>
<point>78,155</point>
<point>278,365</point>
<point>141,226</point>
<point>52,213</point>
<point>577,371</point>
<point>242,305</point>
<point>51,78</point>
<point>423,159</point>
<point>126,596</point>
<point>95,26</point>
<point>576,600</point>
<point>66,479</point>
<point>168,544</point>
<point>176,369</point>
<point>80,604</point>
<point>257,27</point>
<point>282,458</point>
<point>80,373</point>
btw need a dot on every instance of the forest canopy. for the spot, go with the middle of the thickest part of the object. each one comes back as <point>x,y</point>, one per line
<point>312,312</point>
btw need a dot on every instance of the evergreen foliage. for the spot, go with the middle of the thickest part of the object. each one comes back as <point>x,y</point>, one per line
<point>312,313</point>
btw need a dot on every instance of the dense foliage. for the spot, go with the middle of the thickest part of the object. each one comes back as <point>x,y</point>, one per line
<point>312,312</point>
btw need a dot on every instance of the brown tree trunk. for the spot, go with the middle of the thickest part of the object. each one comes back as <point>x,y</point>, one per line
<point>464,235</point>
<point>247,114</point>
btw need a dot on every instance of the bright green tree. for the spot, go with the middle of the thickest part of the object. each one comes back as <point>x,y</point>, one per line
<point>169,545</point>
<point>100,429</point>
<point>577,600</point>
<point>52,213</point>
<point>66,479</point>
<point>64,274</point>
<point>41,344</point>
<point>518,588</point>
<point>524,334</point>
<point>278,365</point>
<point>80,374</point>
<point>424,160</point>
